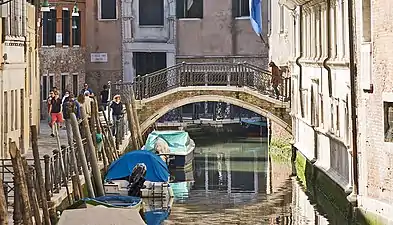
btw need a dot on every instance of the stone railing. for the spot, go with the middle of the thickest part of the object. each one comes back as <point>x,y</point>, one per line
<point>204,74</point>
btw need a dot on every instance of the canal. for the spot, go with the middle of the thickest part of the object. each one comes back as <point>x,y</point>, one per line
<point>236,182</point>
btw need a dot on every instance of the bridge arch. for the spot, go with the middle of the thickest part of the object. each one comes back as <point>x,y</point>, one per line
<point>150,120</point>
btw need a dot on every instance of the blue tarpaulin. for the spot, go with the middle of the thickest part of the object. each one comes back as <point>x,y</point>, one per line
<point>156,217</point>
<point>256,16</point>
<point>157,170</point>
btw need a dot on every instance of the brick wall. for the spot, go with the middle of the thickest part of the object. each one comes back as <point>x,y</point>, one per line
<point>376,155</point>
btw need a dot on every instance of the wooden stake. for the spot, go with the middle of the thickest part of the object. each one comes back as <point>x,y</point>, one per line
<point>93,155</point>
<point>21,183</point>
<point>62,170</point>
<point>136,118</point>
<point>74,163</point>
<point>82,156</point>
<point>130,118</point>
<point>39,176</point>
<point>3,205</point>
<point>75,187</point>
<point>29,173</point>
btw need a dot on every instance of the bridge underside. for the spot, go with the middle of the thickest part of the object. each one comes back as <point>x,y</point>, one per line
<point>151,109</point>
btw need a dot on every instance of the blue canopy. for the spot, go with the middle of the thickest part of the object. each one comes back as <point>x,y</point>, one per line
<point>156,217</point>
<point>156,169</point>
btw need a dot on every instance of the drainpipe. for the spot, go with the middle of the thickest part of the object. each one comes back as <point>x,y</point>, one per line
<point>301,36</point>
<point>329,46</point>
<point>353,72</point>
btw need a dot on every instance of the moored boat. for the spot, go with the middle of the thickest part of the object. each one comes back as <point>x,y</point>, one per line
<point>115,201</point>
<point>181,146</point>
<point>138,173</point>
<point>254,127</point>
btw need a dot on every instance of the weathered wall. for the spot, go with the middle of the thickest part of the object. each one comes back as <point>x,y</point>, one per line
<point>281,39</point>
<point>375,154</point>
<point>102,36</point>
<point>219,33</point>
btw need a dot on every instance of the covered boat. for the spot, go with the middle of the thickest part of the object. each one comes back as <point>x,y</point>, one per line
<point>138,173</point>
<point>255,127</point>
<point>181,146</point>
<point>114,201</point>
<point>100,215</point>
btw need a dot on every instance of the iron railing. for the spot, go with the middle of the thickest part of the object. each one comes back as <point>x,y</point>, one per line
<point>204,74</point>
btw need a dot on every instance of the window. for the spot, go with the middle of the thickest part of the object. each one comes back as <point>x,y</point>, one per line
<point>66,27</point>
<point>282,18</point>
<point>108,10</point>
<point>76,30</point>
<point>12,110</point>
<point>242,8</point>
<point>75,83</point>
<point>6,112</point>
<point>49,28</point>
<point>366,20</point>
<point>51,85</point>
<point>44,87</point>
<point>189,9</point>
<point>151,12</point>
<point>304,102</point>
<point>388,121</point>
<point>148,62</point>
<point>63,83</point>
<point>321,109</point>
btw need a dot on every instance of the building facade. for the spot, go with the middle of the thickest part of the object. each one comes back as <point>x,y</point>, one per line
<point>375,107</point>
<point>157,34</point>
<point>19,78</point>
<point>148,36</point>
<point>103,43</point>
<point>321,91</point>
<point>220,31</point>
<point>62,50</point>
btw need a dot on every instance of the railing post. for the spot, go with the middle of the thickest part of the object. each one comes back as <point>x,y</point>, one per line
<point>47,177</point>
<point>57,177</point>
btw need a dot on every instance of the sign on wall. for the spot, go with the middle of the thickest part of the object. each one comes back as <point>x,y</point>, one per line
<point>99,57</point>
<point>59,38</point>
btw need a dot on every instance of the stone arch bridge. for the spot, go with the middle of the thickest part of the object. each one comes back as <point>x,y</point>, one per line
<point>240,84</point>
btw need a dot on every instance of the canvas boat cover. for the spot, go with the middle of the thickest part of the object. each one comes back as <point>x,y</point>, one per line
<point>100,215</point>
<point>156,169</point>
<point>254,121</point>
<point>108,201</point>
<point>178,141</point>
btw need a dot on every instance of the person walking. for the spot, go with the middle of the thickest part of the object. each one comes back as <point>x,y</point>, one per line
<point>276,78</point>
<point>117,111</point>
<point>104,96</point>
<point>87,103</point>
<point>48,104</point>
<point>55,110</point>
<point>86,88</point>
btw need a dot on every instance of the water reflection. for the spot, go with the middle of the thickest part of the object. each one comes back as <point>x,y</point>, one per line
<point>235,183</point>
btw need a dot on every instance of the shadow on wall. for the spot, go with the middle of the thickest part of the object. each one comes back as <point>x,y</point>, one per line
<point>323,191</point>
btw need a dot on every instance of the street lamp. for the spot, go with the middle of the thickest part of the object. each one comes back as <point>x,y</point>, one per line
<point>75,11</point>
<point>45,6</point>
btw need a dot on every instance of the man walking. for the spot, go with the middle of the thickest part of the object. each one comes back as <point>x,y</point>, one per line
<point>276,78</point>
<point>55,110</point>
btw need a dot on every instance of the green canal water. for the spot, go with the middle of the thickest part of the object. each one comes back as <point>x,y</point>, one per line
<point>236,182</point>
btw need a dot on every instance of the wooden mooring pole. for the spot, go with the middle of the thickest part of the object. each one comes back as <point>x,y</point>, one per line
<point>131,125</point>
<point>82,156</point>
<point>20,181</point>
<point>3,205</point>
<point>40,178</point>
<point>136,119</point>
<point>29,173</point>
<point>93,155</point>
